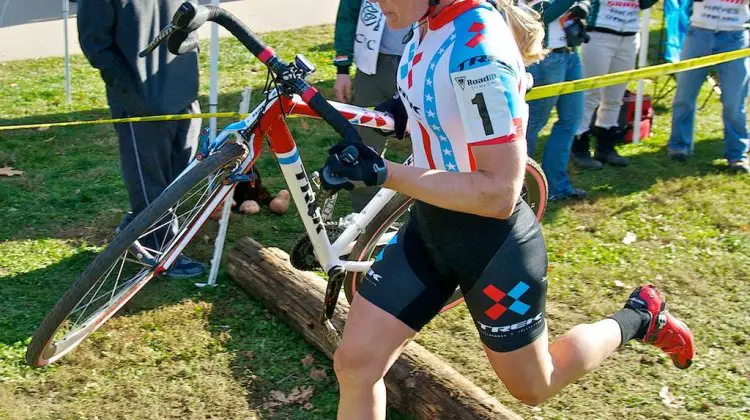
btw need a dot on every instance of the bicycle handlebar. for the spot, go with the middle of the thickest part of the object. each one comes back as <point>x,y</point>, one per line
<point>189,17</point>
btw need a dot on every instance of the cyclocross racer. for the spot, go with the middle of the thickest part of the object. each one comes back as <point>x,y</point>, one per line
<point>461,84</point>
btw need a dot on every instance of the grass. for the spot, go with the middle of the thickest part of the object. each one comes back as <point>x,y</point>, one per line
<point>180,352</point>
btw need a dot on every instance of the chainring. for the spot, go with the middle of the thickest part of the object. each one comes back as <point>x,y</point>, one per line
<point>303,257</point>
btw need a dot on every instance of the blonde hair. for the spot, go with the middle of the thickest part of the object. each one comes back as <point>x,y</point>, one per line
<point>527,28</point>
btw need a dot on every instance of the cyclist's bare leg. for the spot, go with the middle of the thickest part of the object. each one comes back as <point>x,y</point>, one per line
<point>373,340</point>
<point>540,370</point>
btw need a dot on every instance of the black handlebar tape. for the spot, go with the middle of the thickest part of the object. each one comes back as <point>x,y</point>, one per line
<point>178,45</point>
<point>243,34</point>
<point>329,114</point>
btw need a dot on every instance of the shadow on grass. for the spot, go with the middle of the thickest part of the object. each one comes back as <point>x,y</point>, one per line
<point>645,170</point>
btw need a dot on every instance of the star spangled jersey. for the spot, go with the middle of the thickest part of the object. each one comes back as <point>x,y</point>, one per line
<point>462,86</point>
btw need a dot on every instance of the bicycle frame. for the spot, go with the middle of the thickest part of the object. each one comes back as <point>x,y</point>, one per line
<point>268,120</point>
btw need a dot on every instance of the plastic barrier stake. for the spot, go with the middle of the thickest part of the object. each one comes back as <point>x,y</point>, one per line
<point>66,15</point>
<point>226,211</point>
<point>213,97</point>
<point>642,57</point>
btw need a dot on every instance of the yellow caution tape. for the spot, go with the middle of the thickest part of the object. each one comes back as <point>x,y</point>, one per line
<point>631,75</point>
<point>126,120</point>
<point>536,93</point>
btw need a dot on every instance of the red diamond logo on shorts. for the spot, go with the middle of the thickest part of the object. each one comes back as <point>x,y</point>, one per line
<point>496,295</point>
<point>495,311</point>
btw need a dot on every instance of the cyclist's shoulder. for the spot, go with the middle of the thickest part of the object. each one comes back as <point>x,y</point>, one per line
<point>483,39</point>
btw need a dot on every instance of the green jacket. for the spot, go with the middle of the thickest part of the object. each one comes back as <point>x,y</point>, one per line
<point>346,28</point>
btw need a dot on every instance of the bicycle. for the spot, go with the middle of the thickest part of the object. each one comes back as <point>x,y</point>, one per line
<point>153,240</point>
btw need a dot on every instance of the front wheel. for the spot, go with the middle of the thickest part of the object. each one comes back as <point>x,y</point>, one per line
<point>390,218</point>
<point>134,256</point>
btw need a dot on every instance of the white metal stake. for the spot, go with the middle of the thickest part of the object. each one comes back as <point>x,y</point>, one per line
<point>221,235</point>
<point>66,15</point>
<point>213,97</point>
<point>642,61</point>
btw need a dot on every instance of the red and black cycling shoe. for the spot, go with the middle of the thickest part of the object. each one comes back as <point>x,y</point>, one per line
<point>664,331</point>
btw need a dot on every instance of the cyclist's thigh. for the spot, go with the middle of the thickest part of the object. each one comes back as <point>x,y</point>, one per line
<point>404,282</point>
<point>507,301</point>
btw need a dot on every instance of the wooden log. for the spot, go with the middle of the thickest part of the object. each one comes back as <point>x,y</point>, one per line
<point>419,383</point>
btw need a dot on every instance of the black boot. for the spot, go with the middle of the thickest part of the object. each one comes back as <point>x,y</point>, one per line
<point>605,146</point>
<point>580,153</point>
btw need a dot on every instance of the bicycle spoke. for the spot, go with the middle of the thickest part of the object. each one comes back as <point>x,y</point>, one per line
<point>101,283</point>
<point>124,258</point>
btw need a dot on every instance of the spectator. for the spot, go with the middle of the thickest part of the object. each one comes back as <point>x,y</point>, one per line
<point>111,34</point>
<point>614,29</point>
<point>564,31</point>
<point>715,27</point>
<point>363,38</point>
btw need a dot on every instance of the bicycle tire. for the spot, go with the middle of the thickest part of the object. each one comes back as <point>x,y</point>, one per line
<point>39,353</point>
<point>536,192</point>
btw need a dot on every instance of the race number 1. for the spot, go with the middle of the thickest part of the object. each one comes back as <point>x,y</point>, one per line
<point>483,99</point>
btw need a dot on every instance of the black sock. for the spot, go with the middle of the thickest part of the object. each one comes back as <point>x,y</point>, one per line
<point>633,323</point>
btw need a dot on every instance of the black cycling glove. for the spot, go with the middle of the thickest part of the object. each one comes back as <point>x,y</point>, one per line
<point>351,165</point>
<point>396,108</point>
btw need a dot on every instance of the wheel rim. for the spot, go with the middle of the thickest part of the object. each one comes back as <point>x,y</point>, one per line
<point>132,269</point>
<point>534,192</point>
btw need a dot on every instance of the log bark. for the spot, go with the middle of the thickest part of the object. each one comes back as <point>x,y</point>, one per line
<point>419,383</point>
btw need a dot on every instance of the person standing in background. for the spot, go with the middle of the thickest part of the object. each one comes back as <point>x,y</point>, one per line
<point>565,30</point>
<point>715,27</point>
<point>152,154</point>
<point>613,26</point>
<point>362,38</point>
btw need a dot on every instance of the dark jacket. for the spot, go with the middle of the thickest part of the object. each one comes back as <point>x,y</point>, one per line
<point>346,28</point>
<point>113,32</point>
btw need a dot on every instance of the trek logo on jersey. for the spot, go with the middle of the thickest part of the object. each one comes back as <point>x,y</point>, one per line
<point>461,82</point>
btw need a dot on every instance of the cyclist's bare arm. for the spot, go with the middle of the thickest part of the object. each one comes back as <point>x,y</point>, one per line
<point>490,191</point>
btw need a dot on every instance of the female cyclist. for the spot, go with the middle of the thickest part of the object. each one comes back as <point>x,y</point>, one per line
<point>461,84</point>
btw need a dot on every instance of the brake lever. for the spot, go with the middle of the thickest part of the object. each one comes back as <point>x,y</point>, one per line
<point>161,37</point>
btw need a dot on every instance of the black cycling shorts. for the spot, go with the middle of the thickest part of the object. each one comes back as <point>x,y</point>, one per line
<point>500,266</point>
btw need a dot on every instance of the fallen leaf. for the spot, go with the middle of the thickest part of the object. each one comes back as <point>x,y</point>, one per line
<point>621,285</point>
<point>668,399</point>
<point>8,171</point>
<point>629,238</point>
<point>308,406</point>
<point>304,125</point>
<point>308,360</point>
<point>300,395</point>
<point>318,374</point>
<point>278,396</point>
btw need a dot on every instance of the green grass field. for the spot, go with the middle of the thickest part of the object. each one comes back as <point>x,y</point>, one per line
<point>180,352</point>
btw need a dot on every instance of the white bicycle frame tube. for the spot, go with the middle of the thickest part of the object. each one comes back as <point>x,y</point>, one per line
<point>301,191</point>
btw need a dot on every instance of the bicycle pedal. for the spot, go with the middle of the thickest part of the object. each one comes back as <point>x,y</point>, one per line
<point>333,335</point>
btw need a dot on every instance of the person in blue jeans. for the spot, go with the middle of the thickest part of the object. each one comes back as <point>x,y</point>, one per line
<point>564,31</point>
<point>715,27</point>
